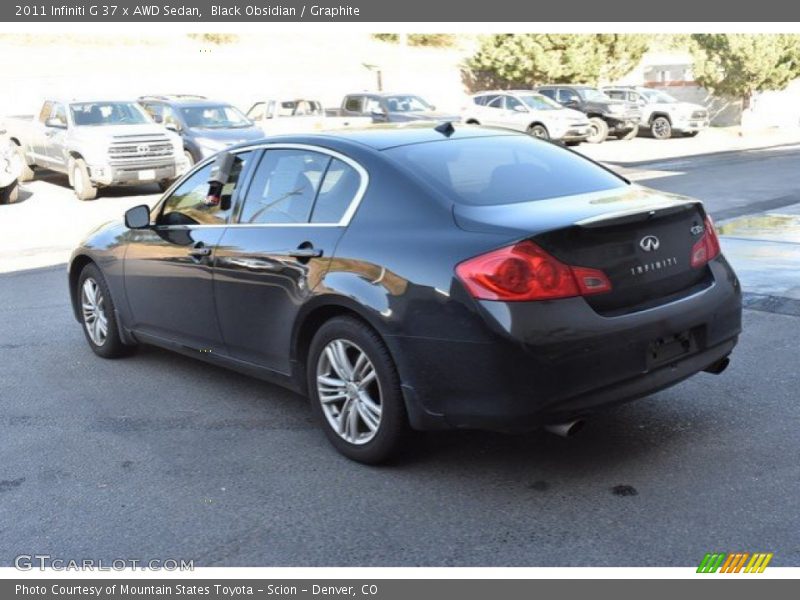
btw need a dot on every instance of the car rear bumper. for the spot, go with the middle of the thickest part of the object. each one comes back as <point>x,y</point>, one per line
<point>552,361</point>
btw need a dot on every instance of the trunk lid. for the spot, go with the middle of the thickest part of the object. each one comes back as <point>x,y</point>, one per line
<point>641,239</point>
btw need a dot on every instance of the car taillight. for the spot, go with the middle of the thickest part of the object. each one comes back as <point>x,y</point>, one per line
<point>707,247</point>
<point>525,272</point>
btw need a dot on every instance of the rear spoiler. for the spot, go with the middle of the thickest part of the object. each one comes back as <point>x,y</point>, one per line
<point>642,213</point>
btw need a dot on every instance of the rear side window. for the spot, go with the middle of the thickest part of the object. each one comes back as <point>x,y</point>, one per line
<point>338,189</point>
<point>503,169</point>
<point>353,104</point>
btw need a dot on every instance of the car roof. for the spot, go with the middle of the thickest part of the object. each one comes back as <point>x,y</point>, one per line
<point>384,94</point>
<point>86,99</point>
<point>188,101</point>
<point>383,137</point>
<point>580,86</point>
<point>485,92</point>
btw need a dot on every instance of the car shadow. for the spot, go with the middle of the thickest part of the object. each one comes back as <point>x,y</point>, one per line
<point>61,180</point>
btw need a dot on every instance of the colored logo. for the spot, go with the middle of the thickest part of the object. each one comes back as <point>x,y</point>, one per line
<point>735,562</point>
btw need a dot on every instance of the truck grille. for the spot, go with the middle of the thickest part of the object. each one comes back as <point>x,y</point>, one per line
<point>147,150</point>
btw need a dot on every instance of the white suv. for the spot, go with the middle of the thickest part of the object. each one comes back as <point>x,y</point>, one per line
<point>527,111</point>
<point>662,114</point>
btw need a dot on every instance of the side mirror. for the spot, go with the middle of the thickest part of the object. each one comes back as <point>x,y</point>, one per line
<point>520,109</point>
<point>571,104</point>
<point>158,118</point>
<point>432,107</point>
<point>138,217</point>
<point>172,127</point>
<point>55,123</point>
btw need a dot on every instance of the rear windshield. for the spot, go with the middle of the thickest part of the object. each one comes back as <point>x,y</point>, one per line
<point>503,169</point>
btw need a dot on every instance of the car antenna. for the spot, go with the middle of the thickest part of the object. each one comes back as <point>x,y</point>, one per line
<point>445,128</point>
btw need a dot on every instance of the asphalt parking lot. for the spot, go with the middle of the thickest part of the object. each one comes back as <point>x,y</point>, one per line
<point>160,456</point>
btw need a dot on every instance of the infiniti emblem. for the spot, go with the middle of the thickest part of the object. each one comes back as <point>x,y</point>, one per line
<point>142,148</point>
<point>649,243</point>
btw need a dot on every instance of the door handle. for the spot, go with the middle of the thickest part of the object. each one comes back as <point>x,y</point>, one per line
<point>200,252</point>
<point>305,253</point>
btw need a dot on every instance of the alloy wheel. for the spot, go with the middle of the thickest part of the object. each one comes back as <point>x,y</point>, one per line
<point>349,391</point>
<point>94,316</point>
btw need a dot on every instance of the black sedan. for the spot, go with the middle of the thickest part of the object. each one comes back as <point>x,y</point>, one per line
<point>418,278</point>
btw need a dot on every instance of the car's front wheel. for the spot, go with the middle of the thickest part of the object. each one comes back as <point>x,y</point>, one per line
<point>539,131</point>
<point>81,182</point>
<point>97,314</point>
<point>355,391</point>
<point>598,130</point>
<point>661,128</point>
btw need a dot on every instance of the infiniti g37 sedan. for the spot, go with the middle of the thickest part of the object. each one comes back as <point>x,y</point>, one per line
<point>426,277</point>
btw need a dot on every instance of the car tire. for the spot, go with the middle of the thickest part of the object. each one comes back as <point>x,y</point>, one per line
<point>355,391</point>
<point>598,130</point>
<point>97,315</point>
<point>661,128</point>
<point>163,186</point>
<point>628,135</point>
<point>9,194</point>
<point>538,130</point>
<point>25,171</point>
<point>81,183</point>
<point>190,161</point>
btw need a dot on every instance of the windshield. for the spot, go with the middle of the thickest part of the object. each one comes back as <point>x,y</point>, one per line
<point>593,95</point>
<point>537,102</point>
<point>654,96</point>
<point>406,104</point>
<point>107,113</point>
<point>503,169</point>
<point>223,116</point>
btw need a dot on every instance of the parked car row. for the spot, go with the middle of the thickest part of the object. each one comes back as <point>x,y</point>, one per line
<point>154,139</point>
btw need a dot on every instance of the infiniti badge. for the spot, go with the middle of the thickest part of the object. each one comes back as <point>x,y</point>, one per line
<point>649,243</point>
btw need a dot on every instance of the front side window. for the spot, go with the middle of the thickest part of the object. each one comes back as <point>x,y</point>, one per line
<point>406,104</point>
<point>195,202</point>
<point>97,114</point>
<point>59,115</point>
<point>214,117</point>
<point>284,187</point>
<point>566,95</point>
<point>353,104</point>
<point>514,104</point>
<point>539,102</point>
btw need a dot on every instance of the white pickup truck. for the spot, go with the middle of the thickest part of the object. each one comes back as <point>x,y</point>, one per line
<point>9,170</point>
<point>96,143</point>
<point>299,115</point>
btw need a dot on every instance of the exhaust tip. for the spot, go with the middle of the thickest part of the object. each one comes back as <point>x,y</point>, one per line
<point>718,367</point>
<point>567,429</point>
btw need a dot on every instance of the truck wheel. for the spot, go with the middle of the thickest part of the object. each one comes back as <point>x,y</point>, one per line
<point>538,131</point>
<point>661,128</point>
<point>189,159</point>
<point>628,135</point>
<point>9,194</point>
<point>81,183</point>
<point>25,172</point>
<point>598,130</point>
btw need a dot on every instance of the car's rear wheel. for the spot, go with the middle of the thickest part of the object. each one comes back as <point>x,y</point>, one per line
<point>355,391</point>
<point>9,194</point>
<point>661,128</point>
<point>81,182</point>
<point>97,314</point>
<point>189,159</point>
<point>598,130</point>
<point>539,131</point>
<point>25,172</point>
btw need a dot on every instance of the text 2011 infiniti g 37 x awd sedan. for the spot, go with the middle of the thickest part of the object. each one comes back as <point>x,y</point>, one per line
<point>431,277</point>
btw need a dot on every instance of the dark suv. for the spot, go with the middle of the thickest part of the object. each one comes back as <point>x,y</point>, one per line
<point>606,115</point>
<point>206,126</point>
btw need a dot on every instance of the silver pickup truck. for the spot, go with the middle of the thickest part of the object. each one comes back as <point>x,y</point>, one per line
<point>96,143</point>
